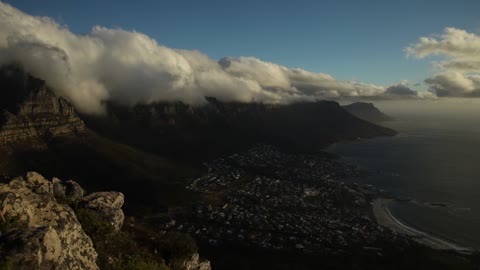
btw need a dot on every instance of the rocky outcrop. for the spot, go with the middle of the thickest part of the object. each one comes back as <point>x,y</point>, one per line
<point>30,111</point>
<point>108,206</point>
<point>47,234</point>
<point>195,263</point>
<point>39,248</point>
<point>68,192</point>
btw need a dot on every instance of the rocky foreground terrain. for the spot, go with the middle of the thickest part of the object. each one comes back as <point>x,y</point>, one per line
<point>32,115</point>
<point>42,225</point>
<point>43,233</point>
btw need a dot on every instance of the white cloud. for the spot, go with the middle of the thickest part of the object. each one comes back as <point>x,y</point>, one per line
<point>130,67</point>
<point>400,89</point>
<point>460,70</point>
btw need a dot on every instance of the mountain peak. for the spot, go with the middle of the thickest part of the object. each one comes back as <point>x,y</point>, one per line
<point>30,111</point>
<point>367,111</point>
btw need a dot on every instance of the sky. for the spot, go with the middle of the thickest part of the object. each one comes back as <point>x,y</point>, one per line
<point>351,40</point>
<point>268,51</point>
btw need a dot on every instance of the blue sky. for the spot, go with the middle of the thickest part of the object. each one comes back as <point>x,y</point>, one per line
<point>360,40</point>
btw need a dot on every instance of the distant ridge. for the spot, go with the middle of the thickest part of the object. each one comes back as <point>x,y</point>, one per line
<point>367,111</point>
<point>32,114</point>
<point>179,128</point>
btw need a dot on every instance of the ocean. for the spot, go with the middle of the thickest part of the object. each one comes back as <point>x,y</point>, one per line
<point>434,162</point>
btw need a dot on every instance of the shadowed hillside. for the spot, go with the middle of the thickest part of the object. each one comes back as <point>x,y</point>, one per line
<point>367,111</point>
<point>178,129</point>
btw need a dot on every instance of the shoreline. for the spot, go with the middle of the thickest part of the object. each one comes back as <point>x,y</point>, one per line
<point>384,217</point>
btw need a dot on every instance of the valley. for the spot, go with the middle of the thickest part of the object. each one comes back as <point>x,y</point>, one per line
<point>242,179</point>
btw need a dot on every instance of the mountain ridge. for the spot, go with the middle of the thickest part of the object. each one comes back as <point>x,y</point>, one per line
<point>31,112</point>
<point>367,111</point>
<point>160,144</point>
<point>307,126</point>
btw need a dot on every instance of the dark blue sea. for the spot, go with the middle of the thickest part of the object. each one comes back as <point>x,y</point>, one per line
<point>434,161</point>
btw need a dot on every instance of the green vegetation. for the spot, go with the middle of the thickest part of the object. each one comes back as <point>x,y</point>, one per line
<point>117,250</point>
<point>175,246</point>
<point>6,263</point>
<point>150,183</point>
<point>62,199</point>
<point>137,263</point>
<point>93,226</point>
<point>7,223</point>
<point>122,249</point>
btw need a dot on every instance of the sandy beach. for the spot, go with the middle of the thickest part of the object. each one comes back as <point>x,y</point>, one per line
<point>385,218</point>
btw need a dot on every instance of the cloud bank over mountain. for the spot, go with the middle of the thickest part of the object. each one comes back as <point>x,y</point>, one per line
<point>460,69</point>
<point>130,67</point>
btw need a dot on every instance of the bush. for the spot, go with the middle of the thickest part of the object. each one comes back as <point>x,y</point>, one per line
<point>93,225</point>
<point>176,246</point>
<point>7,223</point>
<point>136,262</point>
<point>6,263</point>
<point>116,250</point>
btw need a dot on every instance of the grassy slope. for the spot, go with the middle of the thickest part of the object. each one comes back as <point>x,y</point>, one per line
<point>150,182</point>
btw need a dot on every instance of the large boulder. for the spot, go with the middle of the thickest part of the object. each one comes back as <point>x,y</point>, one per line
<point>108,205</point>
<point>59,188</point>
<point>74,192</point>
<point>35,182</point>
<point>46,234</point>
<point>68,192</point>
<point>195,263</point>
<point>34,247</point>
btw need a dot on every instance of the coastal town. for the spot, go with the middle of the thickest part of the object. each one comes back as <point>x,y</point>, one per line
<point>269,199</point>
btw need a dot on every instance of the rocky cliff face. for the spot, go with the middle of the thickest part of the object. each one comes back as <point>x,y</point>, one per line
<point>38,228</point>
<point>108,205</point>
<point>195,263</point>
<point>29,111</point>
<point>38,232</point>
